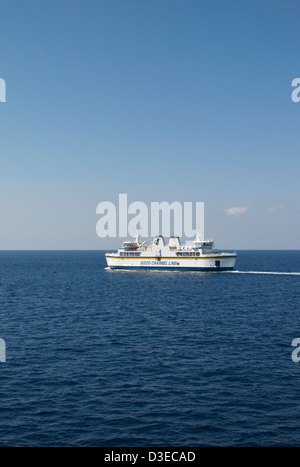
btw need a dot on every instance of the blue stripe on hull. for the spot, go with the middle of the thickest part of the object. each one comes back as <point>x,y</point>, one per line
<point>166,268</point>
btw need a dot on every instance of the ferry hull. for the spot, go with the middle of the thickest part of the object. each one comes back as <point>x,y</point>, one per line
<point>166,268</point>
<point>217,263</point>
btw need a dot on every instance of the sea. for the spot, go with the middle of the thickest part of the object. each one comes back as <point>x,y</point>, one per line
<point>148,358</point>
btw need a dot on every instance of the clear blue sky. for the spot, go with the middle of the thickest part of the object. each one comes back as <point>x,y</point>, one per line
<point>164,100</point>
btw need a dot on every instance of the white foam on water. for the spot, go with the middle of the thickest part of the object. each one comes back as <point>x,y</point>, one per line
<point>278,273</point>
<point>266,272</point>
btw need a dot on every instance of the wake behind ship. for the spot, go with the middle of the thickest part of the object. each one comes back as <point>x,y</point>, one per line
<point>198,256</point>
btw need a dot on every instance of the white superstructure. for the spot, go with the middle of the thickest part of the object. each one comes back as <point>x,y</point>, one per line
<point>198,256</point>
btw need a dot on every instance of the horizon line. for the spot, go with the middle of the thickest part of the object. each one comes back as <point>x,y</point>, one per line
<point>110,249</point>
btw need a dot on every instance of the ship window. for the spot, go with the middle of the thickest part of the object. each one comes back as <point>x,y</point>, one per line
<point>198,254</point>
<point>218,264</point>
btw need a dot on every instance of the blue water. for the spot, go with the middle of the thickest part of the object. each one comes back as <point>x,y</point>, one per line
<point>108,358</point>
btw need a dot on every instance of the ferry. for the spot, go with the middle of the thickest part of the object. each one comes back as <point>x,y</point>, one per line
<point>200,255</point>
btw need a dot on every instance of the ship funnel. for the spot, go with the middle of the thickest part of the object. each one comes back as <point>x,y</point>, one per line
<point>174,243</point>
